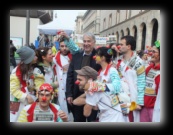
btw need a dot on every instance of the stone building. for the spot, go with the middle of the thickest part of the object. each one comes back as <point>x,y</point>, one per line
<point>144,25</point>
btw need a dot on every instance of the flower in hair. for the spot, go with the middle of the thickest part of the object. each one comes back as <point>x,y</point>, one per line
<point>145,51</point>
<point>42,50</point>
<point>110,52</point>
<point>157,43</point>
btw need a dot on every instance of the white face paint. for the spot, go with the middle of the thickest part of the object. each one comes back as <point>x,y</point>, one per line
<point>45,92</point>
<point>44,98</point>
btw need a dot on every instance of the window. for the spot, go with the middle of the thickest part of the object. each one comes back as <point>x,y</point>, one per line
<point>118,16</point>
<point>104,24</point>
<point>110,20</point>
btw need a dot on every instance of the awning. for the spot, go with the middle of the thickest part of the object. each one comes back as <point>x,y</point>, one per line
<point>41,14</point>
<point>52,28</point>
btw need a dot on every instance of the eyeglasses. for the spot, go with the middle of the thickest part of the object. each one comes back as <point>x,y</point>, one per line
<point>153,51</point>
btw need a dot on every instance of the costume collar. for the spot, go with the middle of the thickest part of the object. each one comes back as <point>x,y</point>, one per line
<point>20,77</point>
<point>157,67</point>
<point>46,67</point>
<point>87,54</point>
<point>58,60</point>
<point>31,111</point>
<point>107,69</point>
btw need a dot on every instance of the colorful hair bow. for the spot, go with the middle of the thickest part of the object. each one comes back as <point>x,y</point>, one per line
<point>157,43</point>
<point>145,51</point>
<point>110,52</point>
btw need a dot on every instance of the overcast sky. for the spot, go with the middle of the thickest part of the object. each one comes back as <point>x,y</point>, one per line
<point>68,17</point>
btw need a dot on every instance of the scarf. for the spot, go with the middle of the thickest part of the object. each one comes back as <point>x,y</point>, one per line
<point>20,77</point>
<point>31,111</point>
<point>58,60</point>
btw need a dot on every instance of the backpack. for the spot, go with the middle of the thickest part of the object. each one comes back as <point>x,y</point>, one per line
<point>41,69</point>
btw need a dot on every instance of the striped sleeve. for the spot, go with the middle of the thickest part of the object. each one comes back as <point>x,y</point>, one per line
<point>141,82</point>
<point>15,88</point>
<point>72,46</point>
<point>22,116</point>
<point>38,78</point>
<point>115,80</point>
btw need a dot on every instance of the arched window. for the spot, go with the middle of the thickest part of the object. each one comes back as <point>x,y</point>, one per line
<point>154,31</point>
<point>143,36</point>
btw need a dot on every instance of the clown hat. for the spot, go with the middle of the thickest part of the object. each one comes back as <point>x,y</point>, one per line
<point>47,87</point>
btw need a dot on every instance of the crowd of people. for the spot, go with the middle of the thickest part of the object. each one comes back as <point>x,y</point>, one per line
<point>113,83</point>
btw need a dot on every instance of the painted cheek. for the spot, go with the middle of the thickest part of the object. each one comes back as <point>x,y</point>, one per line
<point>98,58</point>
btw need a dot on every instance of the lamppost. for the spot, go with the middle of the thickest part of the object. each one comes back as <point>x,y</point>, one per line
<point>27,27</point>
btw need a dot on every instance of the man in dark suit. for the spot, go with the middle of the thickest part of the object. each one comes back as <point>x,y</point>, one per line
<point>80,59</point>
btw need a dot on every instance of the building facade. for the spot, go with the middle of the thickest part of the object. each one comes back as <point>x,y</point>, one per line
<point>18,23</point>
<point>144,25</point>
<point>91,21</point>
<point>79,23</point>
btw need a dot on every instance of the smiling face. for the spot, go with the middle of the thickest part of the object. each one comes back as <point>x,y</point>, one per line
<point>155,57</point>
<point>88,44</point>
<point>49,56</point>
<point>82,81</point>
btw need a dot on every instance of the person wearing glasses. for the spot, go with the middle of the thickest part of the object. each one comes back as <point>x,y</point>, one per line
<point>43,110</point>
<point>151,109</point>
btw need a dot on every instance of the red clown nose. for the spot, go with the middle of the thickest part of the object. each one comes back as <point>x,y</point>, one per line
<point>94,57</point>
<point>44,98</point>
<point>77,82</point>
<point>59,32</point>
<point>150,53</point>
<point>147,46</point>
<point>118,46</point>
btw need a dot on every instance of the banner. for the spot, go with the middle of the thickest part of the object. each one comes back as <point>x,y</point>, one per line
<point>78,38</point>
<point>101,40</point>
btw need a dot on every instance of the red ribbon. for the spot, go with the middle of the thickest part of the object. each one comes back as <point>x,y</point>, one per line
<point>20,77</point>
